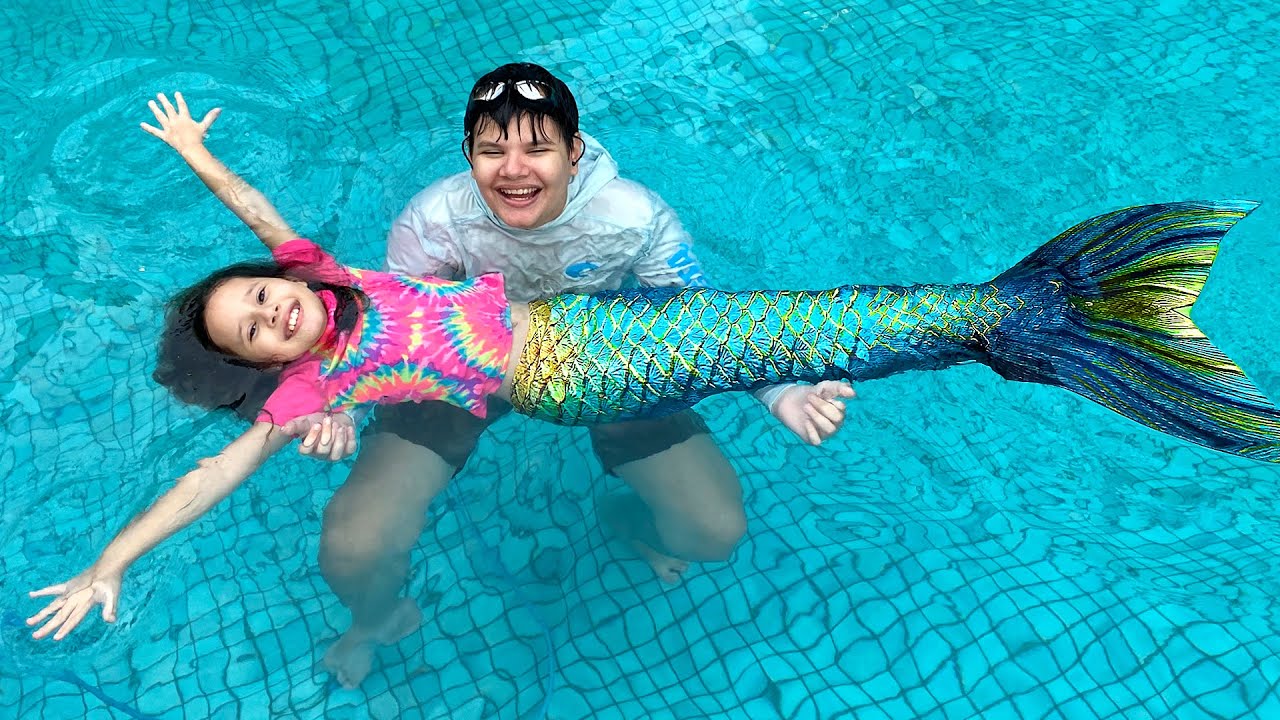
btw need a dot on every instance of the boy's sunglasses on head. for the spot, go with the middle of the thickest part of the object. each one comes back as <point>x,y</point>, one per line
<point>528,89</point>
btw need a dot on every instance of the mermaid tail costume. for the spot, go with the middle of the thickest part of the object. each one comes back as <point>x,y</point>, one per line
<point>1101,310</point>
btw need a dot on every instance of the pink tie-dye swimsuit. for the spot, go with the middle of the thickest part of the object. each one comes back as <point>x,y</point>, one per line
<point>418,339</point>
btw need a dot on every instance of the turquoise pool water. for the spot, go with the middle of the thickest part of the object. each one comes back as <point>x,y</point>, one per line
<point>966,548</point>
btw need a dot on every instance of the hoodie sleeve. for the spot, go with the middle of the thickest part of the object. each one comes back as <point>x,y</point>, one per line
<point>668,260</point>
<point>419,244</point>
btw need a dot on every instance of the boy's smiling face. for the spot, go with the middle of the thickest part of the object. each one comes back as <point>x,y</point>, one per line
<point>524,181</point>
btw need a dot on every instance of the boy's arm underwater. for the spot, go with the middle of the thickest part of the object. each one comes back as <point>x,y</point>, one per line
<point>184,503</point>
<point>182,133</point>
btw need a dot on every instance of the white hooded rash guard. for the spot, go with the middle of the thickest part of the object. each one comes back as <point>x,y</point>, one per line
<point>612,233</point>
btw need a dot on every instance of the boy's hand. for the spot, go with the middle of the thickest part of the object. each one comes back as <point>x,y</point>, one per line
<point>75,598</point>
<point>328,437</point>
<point>813,412</point>
<point>177,128</point>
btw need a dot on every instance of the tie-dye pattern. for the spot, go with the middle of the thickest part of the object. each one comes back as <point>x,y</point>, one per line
<point>418,338</point>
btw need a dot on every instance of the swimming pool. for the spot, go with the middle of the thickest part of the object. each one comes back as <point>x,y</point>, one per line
<point>966,547</point>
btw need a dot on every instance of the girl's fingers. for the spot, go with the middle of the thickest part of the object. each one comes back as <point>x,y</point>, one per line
<point>48,628</point>
<point>109,607</point>
<point>168,107</point>
<point>153,130</point>
<point>182,104</point>
<point>209,117</point>
<point>54,623</point>
<point>73,620</point>
<point>160,116</point>
<point>51,590</point>
<point>47,611</point>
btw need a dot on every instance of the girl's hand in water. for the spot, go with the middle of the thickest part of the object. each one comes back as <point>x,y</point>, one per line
<point>177,127</point>
<point>75,598</point>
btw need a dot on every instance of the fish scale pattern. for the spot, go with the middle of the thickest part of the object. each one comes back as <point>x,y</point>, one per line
<point>646,352</point>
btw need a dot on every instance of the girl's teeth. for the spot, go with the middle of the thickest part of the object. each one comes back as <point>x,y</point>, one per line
<point>293,320</point>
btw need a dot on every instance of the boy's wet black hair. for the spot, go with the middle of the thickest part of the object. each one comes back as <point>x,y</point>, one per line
<point>198,372</point>
<point>559,106</point>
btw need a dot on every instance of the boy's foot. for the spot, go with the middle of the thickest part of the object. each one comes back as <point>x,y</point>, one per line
<point>630,520</point>
<point>351,657</point>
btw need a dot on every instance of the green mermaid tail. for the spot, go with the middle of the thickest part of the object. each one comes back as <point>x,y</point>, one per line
<point>1124,337</point>
<point>1101,310</point>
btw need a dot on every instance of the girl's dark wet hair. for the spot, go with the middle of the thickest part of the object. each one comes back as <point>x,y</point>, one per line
<point>198,372</point>
<point>559,106</point>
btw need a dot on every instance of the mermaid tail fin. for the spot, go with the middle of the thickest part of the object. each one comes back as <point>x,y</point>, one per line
<point>1115,326</point>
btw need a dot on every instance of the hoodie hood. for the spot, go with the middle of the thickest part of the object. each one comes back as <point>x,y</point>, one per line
<point>595,170</point>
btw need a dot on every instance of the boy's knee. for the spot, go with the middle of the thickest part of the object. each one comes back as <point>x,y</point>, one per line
<point>710,536</point>
<point>343,547</point>
<point>350,537</point>
<point>724,533</point>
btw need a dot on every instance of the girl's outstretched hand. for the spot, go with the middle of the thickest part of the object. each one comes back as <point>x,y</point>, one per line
<point>177,127</point>
<point>75,598</point>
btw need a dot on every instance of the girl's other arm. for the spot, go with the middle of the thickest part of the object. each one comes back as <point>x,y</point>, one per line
<point>190,497</point>
<point>182,133</point>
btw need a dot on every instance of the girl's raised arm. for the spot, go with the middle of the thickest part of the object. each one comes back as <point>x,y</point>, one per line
<point>191,497</point>
<point>182,133</point>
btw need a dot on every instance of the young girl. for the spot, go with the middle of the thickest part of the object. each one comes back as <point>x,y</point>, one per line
<point>1101,310</point>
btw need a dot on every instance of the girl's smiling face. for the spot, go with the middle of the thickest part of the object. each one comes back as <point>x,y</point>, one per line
<point>266,321</point>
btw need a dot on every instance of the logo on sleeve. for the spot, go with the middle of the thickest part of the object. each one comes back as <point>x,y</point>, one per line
<point>686,266</point>
<point>580,270</point>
